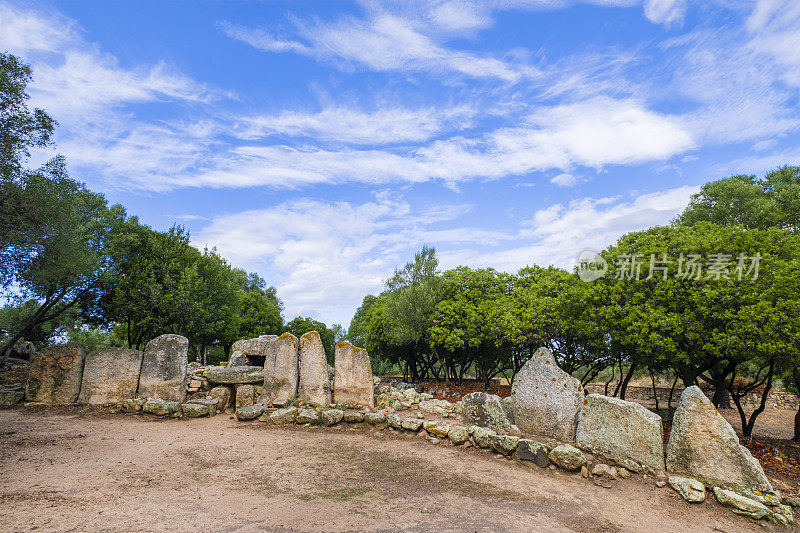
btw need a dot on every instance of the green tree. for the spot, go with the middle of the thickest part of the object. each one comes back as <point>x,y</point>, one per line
<point>414,291</point>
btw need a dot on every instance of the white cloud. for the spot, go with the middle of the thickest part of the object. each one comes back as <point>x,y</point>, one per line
<point>325,256</point>
<point>764,145</point>
<point>558,233</point>
<point>775,29</point>
<point>665,11</point>
<point>592,133</point>
<point>383,42</point>
<point>564,180</point>
<point>354,126</point>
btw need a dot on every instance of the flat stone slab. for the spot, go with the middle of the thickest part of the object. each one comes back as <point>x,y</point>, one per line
<point>54,375</point>
<point>233,375</point>
<point>164,366</point>
<point>544,399</point>
<point>621,431</point>
<point>250,413</point>
<point>703,445</point>
<point>110,375</point>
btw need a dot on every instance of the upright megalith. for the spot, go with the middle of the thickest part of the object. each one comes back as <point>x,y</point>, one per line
<point>625,433</point>
<point>280,371</point>
<point>545,400</point>
<point>352,376</point>
<point>54,376</point>
<point>314,386</point>
<point>164,367</point>
<point>110,375</point>
<point>704,446</point>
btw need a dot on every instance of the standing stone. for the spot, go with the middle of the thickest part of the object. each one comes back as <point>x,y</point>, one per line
<point>245,396</point>
<point>164,367</point>
<point>484,410</point>
<point>545,400</point>
<point>54,376</point>
<point>704,446</point>
<point>621,431</point>
<point>353,383</point>
<point>314,386</point>
<point>280,371</point>
<point>110,375</point>
<point>222,394</point>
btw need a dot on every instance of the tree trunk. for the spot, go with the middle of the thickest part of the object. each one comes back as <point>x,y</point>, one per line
<point>655,390</point>
<point>624,388</point>
<point>671,392</point>
<point>796,376</point>
<point>203,352</point>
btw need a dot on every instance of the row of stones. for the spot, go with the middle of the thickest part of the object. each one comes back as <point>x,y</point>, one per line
<point>67,374</point>
<point>297,368</point>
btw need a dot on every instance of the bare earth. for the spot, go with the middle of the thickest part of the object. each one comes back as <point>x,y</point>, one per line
<point>68,469</point>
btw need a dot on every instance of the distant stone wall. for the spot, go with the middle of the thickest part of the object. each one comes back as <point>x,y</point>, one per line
<point>776,399</point>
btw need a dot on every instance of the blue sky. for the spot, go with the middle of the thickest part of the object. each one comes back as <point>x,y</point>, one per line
<point>321,144</point>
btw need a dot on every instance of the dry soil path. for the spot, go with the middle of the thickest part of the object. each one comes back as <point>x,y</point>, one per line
<point>77,470</point>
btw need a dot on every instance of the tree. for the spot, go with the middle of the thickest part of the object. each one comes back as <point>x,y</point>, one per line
<point>414,291</point>
<point>746,201</point>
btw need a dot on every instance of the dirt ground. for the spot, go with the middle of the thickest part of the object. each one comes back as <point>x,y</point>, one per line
<point>71,469</point>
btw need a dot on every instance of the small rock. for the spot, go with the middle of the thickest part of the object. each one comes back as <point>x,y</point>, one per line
<point>623,473</point>
<point>394,421</point>
<point>158,407</point>
<point>604,470</point>
<point>411,424</point>
<point>530,450</point>
<point>331,417</point>
<point>353,417</point>
<point>480,436</point>
<point>567,457</point>
<point>194,410</point>
<point>504,444</point>
<point>584,472</point>
<point>740,504</point>
<point>661,483</point>
<point>690,489</point>
<point>307,416</point>
<point>514,430</point>
<point>249,413</point>
<point>287,415</point>
<point>375,418</point>
<point>458,435</point>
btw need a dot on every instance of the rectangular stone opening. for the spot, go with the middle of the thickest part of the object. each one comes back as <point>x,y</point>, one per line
<point>255,360</point>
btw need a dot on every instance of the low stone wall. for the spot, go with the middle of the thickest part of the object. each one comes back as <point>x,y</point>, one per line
<point>776,399</point>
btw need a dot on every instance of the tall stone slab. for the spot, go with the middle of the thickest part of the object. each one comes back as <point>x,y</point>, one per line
<point>625,433</point>
<point>54,376</point>
<point>545,400</point>
<point>281,371</point>
<point>352,376</point>
<point>704,446</point>
<point>110,375</point>
<point>164,367</point>
<point>314,386</point>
